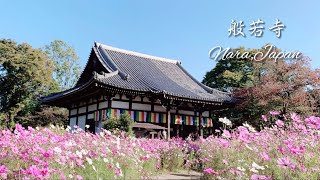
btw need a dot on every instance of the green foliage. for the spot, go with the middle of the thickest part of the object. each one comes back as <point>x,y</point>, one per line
<point>230,74</point>
<point>285,85</point>
<point>121,123</point>
<point>66,64</point>
<point>25,75</point>
<point>172,159</point>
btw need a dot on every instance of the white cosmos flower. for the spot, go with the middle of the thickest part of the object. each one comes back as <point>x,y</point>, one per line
<point>254,170</point>
<point>225,121</point>
<point>79,154</point>
<point>89,160</point>
<point>108,132</point>
<point>241,169</point>
<point>117,165</point>
<point>256,166</point>
<point>83,151</point>
<point>249,127</point>
<point>247,146</point>
<point>57,150</point>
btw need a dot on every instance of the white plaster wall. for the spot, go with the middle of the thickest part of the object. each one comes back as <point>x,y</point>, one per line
<point>98,129</point>
<point>119,104</point>
<point>144,107</point>
<point>117,96</point>
<point>137,98</point>
<point>145,99</point>
<point>82,122</point>
<point>72,122</point>
<point>191,113</point>
<point>73,112</point>
<point>90,116</point>
<point>82,110</point>
<point>103,104</point>
<point>159,108</point>
<point>92,107</point>
<point>205,114</point>
<point>124,97</point>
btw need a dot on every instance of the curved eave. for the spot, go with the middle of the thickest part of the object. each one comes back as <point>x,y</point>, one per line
<point>57,96</point>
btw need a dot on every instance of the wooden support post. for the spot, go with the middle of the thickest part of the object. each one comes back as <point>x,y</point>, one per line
<point>178,130</point>
<point>168,121</point>
<point>77,115</point>
<point>69,115</point>
<point>200,124</point>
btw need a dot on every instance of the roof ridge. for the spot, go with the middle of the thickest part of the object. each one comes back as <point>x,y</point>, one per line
<point>138,54</point>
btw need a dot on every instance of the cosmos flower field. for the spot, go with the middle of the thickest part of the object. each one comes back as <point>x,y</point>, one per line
<point>286,149</point>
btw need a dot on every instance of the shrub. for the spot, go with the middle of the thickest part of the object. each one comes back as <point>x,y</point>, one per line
<point>121,123</point>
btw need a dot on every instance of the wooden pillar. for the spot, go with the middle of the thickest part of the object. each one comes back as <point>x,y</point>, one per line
<point>177,126</point>
<point>211,128</point>
<point>168,121</point>
<point>178,130</point>
<point>200,124</point>
<point>69,115</point>
<point>77,114</point>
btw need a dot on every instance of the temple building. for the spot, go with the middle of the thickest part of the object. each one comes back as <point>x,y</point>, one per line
<point>150,89</point>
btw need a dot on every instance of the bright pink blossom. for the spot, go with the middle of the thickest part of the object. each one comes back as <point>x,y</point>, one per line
<point>210,171</point>
<point>279,123</point>
<point>260,177</point>
<point>274,112</point>
<point>285,163</point>
<point>264,156</point>
<point>264,117</point>
<point>3,172</point>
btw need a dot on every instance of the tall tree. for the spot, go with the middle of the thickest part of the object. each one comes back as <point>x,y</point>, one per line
<point>230,74</point>
<point>66,64</point>
<point>25,75</point>
<point>285,85</point>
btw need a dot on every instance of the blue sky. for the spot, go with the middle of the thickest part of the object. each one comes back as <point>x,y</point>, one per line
<point>184,30</point>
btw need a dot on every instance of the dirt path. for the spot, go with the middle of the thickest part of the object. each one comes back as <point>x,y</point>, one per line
<point>179,175</point>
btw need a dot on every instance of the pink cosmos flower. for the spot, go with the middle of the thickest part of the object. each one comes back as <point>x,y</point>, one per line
<point>117,171</point>
<point>225,162</point>
<point>264,117</point>
<point>274,112</point>
<point>260,177</point>
<point>235,171</point>
<point>295,117</point>
<point>296,149</point>
<point>226,133</point>
<point>210,171</point>
<point>264,156</point>
<point>3,172</point>
<point>285,163</point>
<point>224,143</point>
<point>78,177</point>
<point>279,123</point>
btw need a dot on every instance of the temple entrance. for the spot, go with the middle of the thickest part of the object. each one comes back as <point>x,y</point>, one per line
<point>92,126</point>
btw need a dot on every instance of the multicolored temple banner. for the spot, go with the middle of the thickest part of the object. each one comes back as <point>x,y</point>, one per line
<point>137,116</point>
<point>152,117</point>
<point>191,120</point>
<point>184,119</point>
<point>207,122</point>
<point>100,115</point>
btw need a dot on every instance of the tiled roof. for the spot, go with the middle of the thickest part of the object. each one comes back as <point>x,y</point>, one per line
<point>143,72</point>
<point>128,70</point>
